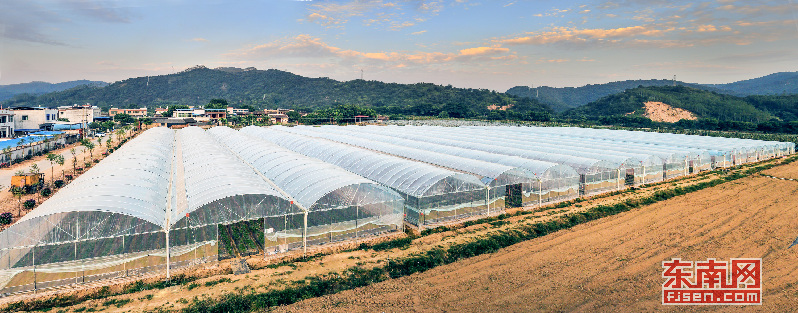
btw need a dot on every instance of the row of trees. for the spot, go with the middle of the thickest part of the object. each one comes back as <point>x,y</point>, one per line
<point>43,189</point>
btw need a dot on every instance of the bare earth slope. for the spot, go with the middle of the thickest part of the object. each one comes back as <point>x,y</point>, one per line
<point>612,264</point>
<point>661,112</point>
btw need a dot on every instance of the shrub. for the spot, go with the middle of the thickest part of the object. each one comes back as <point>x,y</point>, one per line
<point>68,177</point>
<point>58,183</point>
<point>5,218</point>
<point>29,204</point>
<point>96,161</point>
<point>46,192</point>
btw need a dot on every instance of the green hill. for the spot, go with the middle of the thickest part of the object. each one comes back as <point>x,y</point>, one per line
<point>702,103</point>
<point>774,84</point>
<point>38,88</point>
<point>563,99</point>
<point>279,89</point>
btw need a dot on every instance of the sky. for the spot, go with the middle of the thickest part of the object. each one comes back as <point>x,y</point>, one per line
<point>490,44</point>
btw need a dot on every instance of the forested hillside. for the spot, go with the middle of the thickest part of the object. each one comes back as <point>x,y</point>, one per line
<point>279,89</point>
<point>38,88</point>
<point>704,104</point>
<point>784,83</point>
<point>563,99</point>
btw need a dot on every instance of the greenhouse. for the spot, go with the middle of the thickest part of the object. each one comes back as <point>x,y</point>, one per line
<point>162,199</point>
<point>170,199</point>
<point>456,197</point>
<point>595,175</point>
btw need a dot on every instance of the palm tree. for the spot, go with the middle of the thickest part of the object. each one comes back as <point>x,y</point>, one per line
<point>53,158</point>
<point>89,145</point>
<point>22,142</point>
<point>7,154</point>
<point>119,133</point>
<point>74,160</point>
<point>60,161</point>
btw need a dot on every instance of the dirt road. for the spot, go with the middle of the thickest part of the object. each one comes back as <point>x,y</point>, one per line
<point>612,264</point>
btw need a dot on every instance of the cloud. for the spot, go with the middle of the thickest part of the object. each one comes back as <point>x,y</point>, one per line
<point>308,47</point>
<point>26,21</point>
<point>199,39</point>
<point>375,13</point>
<point>99,10</point>
<point>481,51</point>
<point>37,21</point>
<point>418,32</point>
<point>576,35</point>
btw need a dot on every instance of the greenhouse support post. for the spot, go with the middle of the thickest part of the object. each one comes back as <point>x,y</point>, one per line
<point>167,253</point>
<point>540,193</point>
<point>34,269</point>
<point>305,235</point>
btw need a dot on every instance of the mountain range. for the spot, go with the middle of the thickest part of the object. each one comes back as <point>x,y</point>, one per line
<point>755,99</point>
<point>39,88</point>
<point>278,89</point>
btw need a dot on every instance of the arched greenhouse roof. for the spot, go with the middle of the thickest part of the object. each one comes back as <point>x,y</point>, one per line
<point>491,173</point>
<point>211,172</point>
<point>393,136</point>
<point>133,181</point>
<point>412,178</point>
<point>309,181</point>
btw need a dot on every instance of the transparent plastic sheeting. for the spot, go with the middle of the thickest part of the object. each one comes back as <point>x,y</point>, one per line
<point>219,187</point>
<point>458,194</point>
<point>408,177</point>
<point>728,151</point>
<point>597,175</point>
<point>115,219</point>
<point>490,173</point>
<point>471,140</point>
<point>561,181</point>
<point>337,200</point>
<point>314,185</point>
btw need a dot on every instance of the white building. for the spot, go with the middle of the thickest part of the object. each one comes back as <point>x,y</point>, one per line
<point>6,124</point>
<point>232,110</point>
<point>30,118</point>
<point>79,114</point>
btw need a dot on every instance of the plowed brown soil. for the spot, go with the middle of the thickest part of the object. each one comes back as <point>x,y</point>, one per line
<point>612,264</point>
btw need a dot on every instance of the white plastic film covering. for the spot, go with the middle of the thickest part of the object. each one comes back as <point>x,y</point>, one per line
<point>409,177</point>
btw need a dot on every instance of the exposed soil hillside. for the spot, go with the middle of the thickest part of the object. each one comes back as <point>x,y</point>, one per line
<point>612,264</point>
<point>661,112</point>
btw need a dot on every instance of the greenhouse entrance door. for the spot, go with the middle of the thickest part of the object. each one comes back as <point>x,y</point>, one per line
<point>514,196</point>
<point>630,177</point>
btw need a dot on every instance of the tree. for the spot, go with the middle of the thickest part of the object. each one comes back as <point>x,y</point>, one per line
<point>119,133</point>
<point>60,161</point>
<point>89,145</point>
<point>53,158</point>
<point>171,109</point>
<point>34,168</point>
<point>124,119</point>
<point>74,160</point>
<point>7,154</point>
<point>217,104</point>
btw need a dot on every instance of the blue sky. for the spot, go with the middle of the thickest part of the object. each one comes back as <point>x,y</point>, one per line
<point>494,44</point>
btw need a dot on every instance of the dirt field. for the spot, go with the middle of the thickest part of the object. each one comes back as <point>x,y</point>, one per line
<point>613,264</point>
<point>661,112</point>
